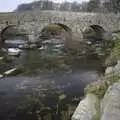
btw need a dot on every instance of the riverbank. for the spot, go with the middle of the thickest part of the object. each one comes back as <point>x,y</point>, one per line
<point>58,78</point>
<point>101,100</point>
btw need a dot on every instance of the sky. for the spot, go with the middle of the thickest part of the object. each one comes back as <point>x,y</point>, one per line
<point>10,5</point>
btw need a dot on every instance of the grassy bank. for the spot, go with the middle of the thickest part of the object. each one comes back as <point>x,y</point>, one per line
<point>99,87</point>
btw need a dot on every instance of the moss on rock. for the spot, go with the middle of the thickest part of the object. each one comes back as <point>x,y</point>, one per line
<point>98,88</point>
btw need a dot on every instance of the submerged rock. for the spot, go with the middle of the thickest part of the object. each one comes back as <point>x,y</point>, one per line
<point>14,51</point>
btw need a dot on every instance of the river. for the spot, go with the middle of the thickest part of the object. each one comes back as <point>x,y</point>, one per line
<point>40,76</point>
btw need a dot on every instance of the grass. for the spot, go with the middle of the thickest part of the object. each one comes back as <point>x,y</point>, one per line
<point>111,79</point>
<point>53,27</point>
<point>115,53</point>
<point>98,88</point>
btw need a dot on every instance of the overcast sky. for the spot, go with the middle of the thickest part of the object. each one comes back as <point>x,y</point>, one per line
<point>9,5</point>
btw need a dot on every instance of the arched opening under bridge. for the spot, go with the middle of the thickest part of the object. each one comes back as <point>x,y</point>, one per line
<point>55,30</point>
<point>13,36</point>
<point>56,35</point>
<point>94,33</point>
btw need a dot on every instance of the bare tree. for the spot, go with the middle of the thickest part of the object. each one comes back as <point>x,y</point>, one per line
<point>93,5</point>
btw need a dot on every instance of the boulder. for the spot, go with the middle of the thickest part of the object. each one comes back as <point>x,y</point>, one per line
<point>117,69</point>
<point>108,70</point>
<point>113,70</point>
<point>86,109</point>
<point>111,103</point>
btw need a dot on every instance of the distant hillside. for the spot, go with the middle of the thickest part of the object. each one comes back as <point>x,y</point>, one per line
<point>90,6</point>
<point>49,5</point>
<point>43,5</point>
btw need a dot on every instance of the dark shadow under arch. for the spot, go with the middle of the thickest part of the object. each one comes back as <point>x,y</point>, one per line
<point>4,30</point>
<point>13,36</point>
<point>94,33</point>
<point>97,28</point>
<point>17,33</point>
<point>65,27</point>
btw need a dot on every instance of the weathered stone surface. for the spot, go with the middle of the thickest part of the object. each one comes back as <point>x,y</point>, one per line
<point>33,22</point>
<point>111,103</point>
<point>117,68</point>
<point>86,108</point>
<point>108,70</point>
<point>113,70</point>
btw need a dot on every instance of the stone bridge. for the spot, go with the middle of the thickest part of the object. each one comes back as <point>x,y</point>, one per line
<point>33,22</point>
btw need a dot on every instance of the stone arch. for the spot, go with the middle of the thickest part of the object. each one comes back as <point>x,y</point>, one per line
<point>64,36</point>
<point>60,27</point>
<point>3,30</point>
<point>94,32</point>
<point>12,33</point>
<point>63,26</point>
<point>13,30</point>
